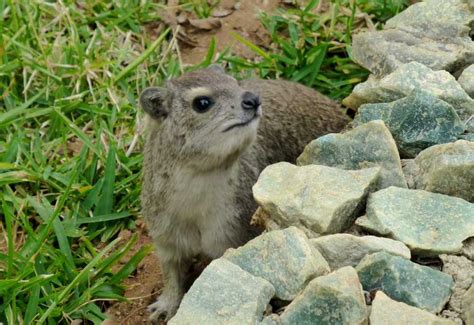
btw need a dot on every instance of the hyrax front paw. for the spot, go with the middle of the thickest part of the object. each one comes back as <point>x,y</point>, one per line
<point>165,306</point>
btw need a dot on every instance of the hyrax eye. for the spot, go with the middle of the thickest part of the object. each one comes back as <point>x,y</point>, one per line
<point>202,104</point>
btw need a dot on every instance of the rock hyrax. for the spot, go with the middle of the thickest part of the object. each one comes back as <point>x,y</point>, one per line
<point>208,138</point>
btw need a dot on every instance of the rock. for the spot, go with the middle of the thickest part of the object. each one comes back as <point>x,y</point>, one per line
<point>336,298</point>
<point>417,121</point>
<point>388,311</point>
<point>428,223</point>
<point>347,250</point>
<point>468,306</point>
<point>468,248</point>
<point>466,80</point>
<point>368,145</point>
<point>462,271</point>
<point>405,281</point>
<point>273,319</point>
<point>433,32</point>
<point>446,169</point>
<point>407,78</point>
<point>317,199</point>
<point>224,294</point>
<point>285,258</point>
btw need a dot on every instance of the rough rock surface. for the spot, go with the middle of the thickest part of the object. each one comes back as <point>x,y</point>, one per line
<point>341,250</point>
<point>468,306</point>
<point>387,311</point>
<point>428,223</point>
<point>218,296</point>
<point>407,78</point>
<point>417,121</point>
<point>432,32</point>
<point>285,258</point>
<point>336,298</point>
<point>445,168</point>
<point>405,281</point>
<point>462,271</point>
<point>466,80</point>
<point>319,199</point>
<point>368,145</point>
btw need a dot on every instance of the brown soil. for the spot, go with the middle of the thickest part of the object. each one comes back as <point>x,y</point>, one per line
<point>143,288</point>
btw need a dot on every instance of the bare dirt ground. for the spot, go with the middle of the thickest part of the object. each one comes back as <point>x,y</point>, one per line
<point>240,17</point>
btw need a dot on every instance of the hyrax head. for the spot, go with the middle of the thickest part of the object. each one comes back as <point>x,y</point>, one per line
<point>207,114</point>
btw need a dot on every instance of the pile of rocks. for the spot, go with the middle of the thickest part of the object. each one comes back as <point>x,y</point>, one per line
<point>319,261</point>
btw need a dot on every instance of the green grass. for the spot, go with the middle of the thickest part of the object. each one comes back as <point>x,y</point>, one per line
<point>70,161</point>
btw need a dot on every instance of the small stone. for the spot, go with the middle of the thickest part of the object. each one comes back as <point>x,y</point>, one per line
<point>445,168</point>
<point>428,223</point>
<point>224,294</point>
<point>368,145</point>
<point>417,121</point>
<point>336,298</point>
<point>272,319</point>
<point>468,306</point>
<point>432,32</point>
<point>462,271</point>
<point>466,80</point>
<point>387,311</point>
<point>405,281</point>
<point>285,258</point>
<point>407,78</point>
<point>341,250</point>
<point>317,198</point>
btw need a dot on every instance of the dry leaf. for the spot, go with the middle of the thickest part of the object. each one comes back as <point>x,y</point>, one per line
<point>206,24</point>
<point>221,12</point>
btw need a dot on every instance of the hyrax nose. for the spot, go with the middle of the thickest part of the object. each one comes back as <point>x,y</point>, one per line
<point>250,101</point>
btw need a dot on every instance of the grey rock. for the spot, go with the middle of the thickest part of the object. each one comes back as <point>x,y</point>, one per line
<point>224,294</point>
<point>462,271</point>
<point>347,250</point>
<point>314,198</point>
<point>407,78</point>
<point>468,248</point>
<point>368,145</point>
<point>446,169</point>
<point>428,223</point>
<point>417,121</point>
<point>466,80</point>
<point>432,32</point>
<point>468,306</point>
<point>285,258</point>
<point>387,311</point>
<point>272,319</point>
<point>405,281</point>
<point>336,298</point>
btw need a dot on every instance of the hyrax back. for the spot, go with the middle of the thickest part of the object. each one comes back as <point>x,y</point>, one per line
<point>209,136</point>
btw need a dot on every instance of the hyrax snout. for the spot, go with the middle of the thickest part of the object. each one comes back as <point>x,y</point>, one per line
<point>208,138</point>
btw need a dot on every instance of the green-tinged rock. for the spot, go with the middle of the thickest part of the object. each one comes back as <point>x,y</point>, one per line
<point>387,311</point>
<point>466,80</point>
<point>336,298</point>
<point>347,250</point>
<point>368,145</point>
<point>445,168</point>
<point>317,199</point>
<point>428,223</point>
<point>417,121</point>
<point>285,258</point>
<point>407,78</point>
<point>468,306</point>
<point>272,319</point>
<point>405,281</point>
<point>224,294</point>
<point>432,32</point>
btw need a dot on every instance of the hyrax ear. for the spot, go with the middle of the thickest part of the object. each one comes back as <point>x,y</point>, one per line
<point>216,68</point>
<point>152,101</point>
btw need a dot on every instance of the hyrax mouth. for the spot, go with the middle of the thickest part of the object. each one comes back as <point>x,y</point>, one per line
<point>237,125</point>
